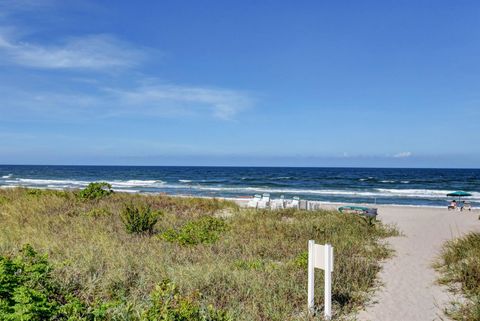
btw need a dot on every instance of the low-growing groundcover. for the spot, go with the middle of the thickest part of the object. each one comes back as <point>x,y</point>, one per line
<point>459,264</point>
<point>249,265</point>
<point>206,229</point>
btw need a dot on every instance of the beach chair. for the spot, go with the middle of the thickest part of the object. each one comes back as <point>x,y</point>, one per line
<point>294,203</point>
<point>264,202</point>
<point>302,205</point>
<point>313,205</point>
<point>310,206</point>
<point>253,203</point>
<point>277,204</point>
<point>466,206</point>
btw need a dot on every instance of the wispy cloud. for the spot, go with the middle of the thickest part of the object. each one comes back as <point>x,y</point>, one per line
<point>402,155</point>
<point>117,102</point>
<point>222,103</point>
<point>8,7</point>
<point>86,87</point>
<point>93,52</point>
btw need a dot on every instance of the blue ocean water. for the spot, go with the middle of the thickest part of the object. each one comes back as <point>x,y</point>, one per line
<point>346,185</point>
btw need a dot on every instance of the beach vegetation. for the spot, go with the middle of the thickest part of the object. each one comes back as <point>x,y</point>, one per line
<point>459,265</point>
<point>35,192</point>
<point>28,291</point>
<point>301,260</point>
<point>231,263</point>
<point>98,212</point>
<point>139,218</point>
<point>206,229</point>
<point>3,199</point>
<point>95,191</point>
<point>167,304</point>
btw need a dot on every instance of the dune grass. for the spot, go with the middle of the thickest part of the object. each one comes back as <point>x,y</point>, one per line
<point>459,264</point>
<point>248,264</point>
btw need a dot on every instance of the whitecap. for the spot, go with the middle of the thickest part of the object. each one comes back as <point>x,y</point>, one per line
<point>36,182</point>
<point>127,190</point>
<point>136,183</point>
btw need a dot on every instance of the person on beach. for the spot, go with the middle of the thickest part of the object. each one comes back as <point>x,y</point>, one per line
<point>453,205</point>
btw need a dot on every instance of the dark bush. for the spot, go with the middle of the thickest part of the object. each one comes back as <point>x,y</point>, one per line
<point>139,219</point>
<point>95,191</point>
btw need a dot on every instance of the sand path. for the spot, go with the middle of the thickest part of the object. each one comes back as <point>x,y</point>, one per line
<point>409,292</point>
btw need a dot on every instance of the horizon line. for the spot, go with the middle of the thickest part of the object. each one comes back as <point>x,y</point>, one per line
<point>239,166</point>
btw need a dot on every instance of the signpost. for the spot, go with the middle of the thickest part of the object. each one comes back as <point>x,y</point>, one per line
<point>320,257</point>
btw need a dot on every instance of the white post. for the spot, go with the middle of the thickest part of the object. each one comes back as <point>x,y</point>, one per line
<point>328,281</point>
<point>311,276</point>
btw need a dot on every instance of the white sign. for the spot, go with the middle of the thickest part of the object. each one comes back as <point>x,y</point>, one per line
<point>320,257</point>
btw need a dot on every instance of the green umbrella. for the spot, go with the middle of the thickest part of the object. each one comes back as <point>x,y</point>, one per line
<point>459,194</point>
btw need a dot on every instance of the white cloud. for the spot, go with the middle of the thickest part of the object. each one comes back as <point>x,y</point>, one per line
<point>94,52</point>
<point>222,103</point>
<point>151,101</point>
<point>402,155</point>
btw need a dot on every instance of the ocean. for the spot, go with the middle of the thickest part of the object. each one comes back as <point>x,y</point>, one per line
<point>419,187</point>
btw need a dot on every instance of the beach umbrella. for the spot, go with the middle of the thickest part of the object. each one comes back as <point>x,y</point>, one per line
<point>459,194</point>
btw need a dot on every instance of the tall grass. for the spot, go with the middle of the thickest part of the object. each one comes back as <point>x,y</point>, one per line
<point>254,269</point>
<point>459,264</point>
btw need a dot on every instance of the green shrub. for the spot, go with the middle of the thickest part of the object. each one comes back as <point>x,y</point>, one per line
<point>139,219</point>
<point>35,192</point>
<point>206,229</point>
<point>301,260</point>
<point>96,191</point>
<point>3,199</point>
<point>167,304</point>
<point>28,291</point>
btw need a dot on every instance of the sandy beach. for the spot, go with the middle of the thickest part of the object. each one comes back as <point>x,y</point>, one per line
<point>409,291</point>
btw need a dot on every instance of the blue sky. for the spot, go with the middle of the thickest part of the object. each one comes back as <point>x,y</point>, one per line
<point>295,83</point>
